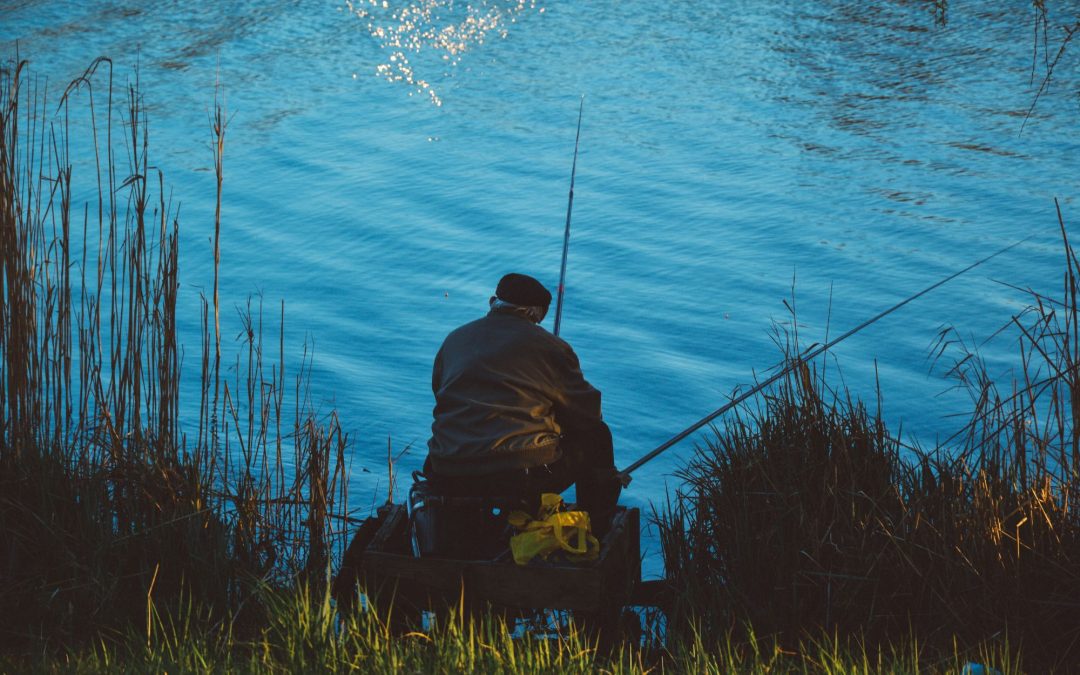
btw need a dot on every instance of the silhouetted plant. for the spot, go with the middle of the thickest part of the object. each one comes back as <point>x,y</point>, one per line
<point>106,510</point>
<point>805,514</point>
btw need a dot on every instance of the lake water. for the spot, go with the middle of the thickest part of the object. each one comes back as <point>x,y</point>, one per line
<point>386,164</point>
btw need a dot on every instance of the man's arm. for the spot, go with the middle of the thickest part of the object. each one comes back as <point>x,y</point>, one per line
<point>576,402</point>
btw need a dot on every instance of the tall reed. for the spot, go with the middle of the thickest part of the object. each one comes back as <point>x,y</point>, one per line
<point>806,514</point>
<point>105,507</point>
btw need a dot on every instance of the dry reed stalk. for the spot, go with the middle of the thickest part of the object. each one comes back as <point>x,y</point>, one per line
<point>805,514</point>
<point>101,500</point>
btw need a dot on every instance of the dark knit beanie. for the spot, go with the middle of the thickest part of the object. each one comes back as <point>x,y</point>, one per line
<point>523,291</point>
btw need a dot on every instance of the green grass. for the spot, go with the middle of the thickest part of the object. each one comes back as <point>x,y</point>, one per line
<point>303,634</point>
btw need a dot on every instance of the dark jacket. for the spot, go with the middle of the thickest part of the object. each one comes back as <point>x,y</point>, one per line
<point>505,389</point>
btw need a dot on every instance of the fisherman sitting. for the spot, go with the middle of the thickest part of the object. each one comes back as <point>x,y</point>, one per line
<point>514,417</point>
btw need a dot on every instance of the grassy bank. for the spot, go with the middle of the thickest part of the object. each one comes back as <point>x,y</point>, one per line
<point>807,515</point>
<point>302,635</point>
<point>805,536</point>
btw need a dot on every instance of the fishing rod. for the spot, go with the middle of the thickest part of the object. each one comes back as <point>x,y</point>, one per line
<point>624,475</point>
<point>569,210</point>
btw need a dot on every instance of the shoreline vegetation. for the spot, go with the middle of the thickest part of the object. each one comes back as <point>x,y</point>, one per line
<point>805,536</point>
<point>110,512</point>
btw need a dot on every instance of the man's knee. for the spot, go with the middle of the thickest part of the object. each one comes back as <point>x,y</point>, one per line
<point>589,448</point>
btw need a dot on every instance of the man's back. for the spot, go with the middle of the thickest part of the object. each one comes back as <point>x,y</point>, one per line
<point>504,388</point>
<point>514,417</point>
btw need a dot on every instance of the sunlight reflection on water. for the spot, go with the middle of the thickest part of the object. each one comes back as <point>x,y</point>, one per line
<point>432,35</point>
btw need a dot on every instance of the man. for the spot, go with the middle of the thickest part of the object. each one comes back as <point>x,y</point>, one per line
<point>513,413</point>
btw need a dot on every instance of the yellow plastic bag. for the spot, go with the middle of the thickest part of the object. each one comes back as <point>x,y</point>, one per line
<point>553,529</point>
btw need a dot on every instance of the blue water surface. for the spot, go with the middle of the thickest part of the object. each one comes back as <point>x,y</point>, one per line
<point>385,165</point>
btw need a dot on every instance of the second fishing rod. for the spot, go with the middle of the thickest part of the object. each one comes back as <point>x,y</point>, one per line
<point>784,369</point>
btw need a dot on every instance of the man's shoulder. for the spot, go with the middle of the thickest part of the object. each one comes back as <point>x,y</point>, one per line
<point>545,340</point>
<point>470,325</point>
<point>518,328</point>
